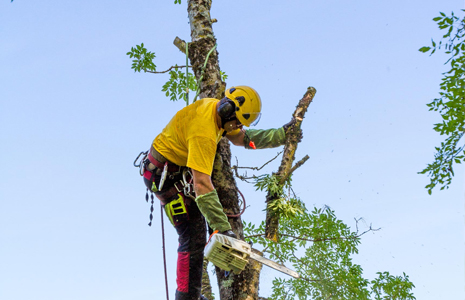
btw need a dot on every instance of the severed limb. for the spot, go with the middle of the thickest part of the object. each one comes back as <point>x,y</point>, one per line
<point>293,134</point>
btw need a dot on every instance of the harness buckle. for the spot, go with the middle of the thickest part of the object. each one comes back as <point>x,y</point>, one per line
<point>181,188</point>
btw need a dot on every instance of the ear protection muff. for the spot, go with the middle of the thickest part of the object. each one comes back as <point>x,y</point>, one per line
<point>227,109</point>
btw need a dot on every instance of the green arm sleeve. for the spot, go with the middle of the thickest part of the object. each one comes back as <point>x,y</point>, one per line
<point>211,208</point>
<point>269,138</point>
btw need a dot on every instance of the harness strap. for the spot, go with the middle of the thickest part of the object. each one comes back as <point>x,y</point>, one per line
<point>166,197</point>
<point>171,167</point>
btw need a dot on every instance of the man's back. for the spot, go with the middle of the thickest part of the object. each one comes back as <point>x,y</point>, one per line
<point>191,137</point>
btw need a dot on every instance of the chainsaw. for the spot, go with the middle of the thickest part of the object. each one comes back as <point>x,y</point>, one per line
<point>231,254</point>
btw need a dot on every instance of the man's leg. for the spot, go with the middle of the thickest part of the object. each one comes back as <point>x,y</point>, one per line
<point>192,239</point>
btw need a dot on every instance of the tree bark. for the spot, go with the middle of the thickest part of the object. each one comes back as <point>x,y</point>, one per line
<point>245,285</point>
<point>285,169</point>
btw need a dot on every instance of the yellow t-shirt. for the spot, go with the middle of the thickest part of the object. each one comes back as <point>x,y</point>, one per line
<point>191,137</point>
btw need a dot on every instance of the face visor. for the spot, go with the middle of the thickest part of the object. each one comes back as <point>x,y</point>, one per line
<point>255,122</point>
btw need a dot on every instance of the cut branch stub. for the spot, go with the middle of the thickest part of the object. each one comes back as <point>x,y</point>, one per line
<point>285,169</point>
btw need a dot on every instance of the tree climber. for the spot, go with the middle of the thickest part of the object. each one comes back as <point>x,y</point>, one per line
<point>188,143</point>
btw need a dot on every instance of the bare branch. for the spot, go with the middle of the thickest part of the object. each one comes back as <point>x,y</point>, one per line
<point>173,67</point>
<point>317,240</point>
<point>244,178</point>
<point>297,165</point>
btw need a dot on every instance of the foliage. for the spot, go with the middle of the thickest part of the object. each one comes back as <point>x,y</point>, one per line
<point>319,247</point>
<point>387,286</point>
<point>450,104</point>
<point>177,86</point>
<point>284,205</point>
<point>143,59</point>
<point>223,76</point>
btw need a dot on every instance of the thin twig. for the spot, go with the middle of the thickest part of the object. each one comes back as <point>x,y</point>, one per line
<point>166,70</point>
<point>244,178</point>
<point>318,240</point>
<point>259,168</point>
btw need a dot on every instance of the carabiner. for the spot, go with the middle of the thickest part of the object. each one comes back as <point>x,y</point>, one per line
<point>137,158</point>
<point>187,184</point>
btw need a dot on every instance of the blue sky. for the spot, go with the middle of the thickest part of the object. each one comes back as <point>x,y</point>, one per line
<point>73,116</point>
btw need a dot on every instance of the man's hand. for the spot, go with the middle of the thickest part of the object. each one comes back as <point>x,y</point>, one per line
<point>289,124</point>
<point>292,123</point>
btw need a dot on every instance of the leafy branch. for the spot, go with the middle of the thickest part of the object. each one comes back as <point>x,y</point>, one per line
<point>143,59</point>
<point>450,104</point>
<point>178,86</point>
<point>320,248</point>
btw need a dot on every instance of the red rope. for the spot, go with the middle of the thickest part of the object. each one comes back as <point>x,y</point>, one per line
<point>243,207</point>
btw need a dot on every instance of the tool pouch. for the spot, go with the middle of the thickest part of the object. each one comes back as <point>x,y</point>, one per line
<point>176,210</point>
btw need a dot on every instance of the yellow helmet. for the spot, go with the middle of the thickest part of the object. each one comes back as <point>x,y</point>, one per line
<point>247,104</point>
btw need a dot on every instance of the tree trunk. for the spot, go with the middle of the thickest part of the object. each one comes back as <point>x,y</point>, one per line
<point>245,285</point>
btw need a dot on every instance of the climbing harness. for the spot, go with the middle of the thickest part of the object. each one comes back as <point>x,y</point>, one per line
<point>183,184</point>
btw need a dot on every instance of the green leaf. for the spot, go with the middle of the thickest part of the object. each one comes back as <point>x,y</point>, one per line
<point>424,49</point>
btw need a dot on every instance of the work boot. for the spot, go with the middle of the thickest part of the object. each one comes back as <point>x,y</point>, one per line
<point>229,233</point>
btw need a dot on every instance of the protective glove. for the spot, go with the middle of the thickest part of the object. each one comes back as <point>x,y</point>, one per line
<point>289,124</point>
<point>211,208</point>
<point>292,123</point>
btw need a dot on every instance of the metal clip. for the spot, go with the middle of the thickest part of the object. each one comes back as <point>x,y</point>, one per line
<point>141,164</point>
<point>143,158</point>
<point>188,186</point>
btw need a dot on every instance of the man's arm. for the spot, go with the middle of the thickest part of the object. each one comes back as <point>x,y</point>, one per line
<point>209,204</point>
<point>202,183</point>
<point>261,138</point>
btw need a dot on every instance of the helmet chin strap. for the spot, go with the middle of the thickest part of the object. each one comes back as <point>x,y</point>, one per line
<point>226,120</point>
